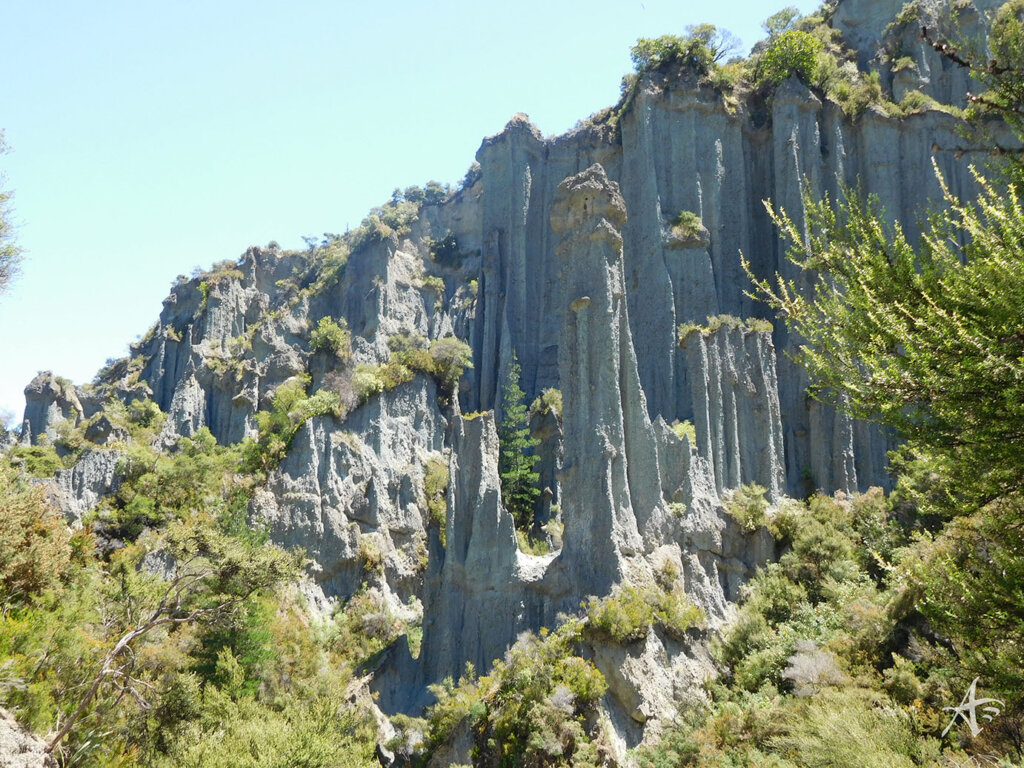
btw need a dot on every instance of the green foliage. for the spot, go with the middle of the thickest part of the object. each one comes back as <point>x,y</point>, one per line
<point>850,729</point>
<point>548,401</point>
<point>292,408</point>
<point>332,338</point>
<point>10,252</point>
<point>792,52</point>
<point>157,488</point>
<point>927,340</point>
<point>363,627</point>
<point>748,507</point>
<point>366,383</point>
<point>443,359</point>
<point>38,460</point>
<point>628,613</point>
<point>444,250</point>
<point>451,357</point>
<point>435,487</point>
<point>685,429</point>
<point>516,460</point>
<point>531,546</point>
<point>687,225</point>
<point>716,322</point>
<point>35,554</point>
<point>536,707</point>
<point>781,22</point>
<point>700,48</point>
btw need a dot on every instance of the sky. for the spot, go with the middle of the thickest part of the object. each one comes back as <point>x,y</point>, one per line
<point>150,138</point>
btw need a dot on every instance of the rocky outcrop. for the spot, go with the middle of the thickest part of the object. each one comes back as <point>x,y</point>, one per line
<point>352,494</point>
<point>19,748</point>
<point>49,400</point>
<point>610,477</point>
<point>79,489</point>
<point>481,573</point>
<point>735,406</point>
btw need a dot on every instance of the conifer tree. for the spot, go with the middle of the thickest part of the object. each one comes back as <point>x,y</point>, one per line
<point>516,461</point>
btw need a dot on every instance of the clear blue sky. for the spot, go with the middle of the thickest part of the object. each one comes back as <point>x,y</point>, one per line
<point>151,137</point>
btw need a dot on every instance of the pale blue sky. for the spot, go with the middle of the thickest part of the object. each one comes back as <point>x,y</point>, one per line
<point>151,137</point>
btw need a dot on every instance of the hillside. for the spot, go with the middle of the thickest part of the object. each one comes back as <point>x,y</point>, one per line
<point>697,516</point>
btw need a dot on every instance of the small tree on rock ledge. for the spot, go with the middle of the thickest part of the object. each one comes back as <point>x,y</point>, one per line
<point>516,461</point>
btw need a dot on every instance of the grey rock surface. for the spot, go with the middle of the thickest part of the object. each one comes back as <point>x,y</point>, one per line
<point>78,490</point>
<point>19,748</point>
<point>49,400</point>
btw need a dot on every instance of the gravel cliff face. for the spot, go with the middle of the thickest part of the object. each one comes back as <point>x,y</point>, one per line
<point>567,259</point>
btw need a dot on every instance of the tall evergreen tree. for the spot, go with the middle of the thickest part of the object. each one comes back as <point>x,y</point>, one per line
<point>516,460</point>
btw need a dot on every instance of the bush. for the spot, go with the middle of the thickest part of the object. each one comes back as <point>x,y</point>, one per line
<point>790,53</point>
<point>850,728</point>
<point>38,460</point>
<point>35,553</point>
<point>699,49</point>
<point>748,507</point>
<point>685,429</point>
<point>332,338</point>
<point>451,357</point>
<point>366,382</point>
<point>536,707</point>
<point>625,616</point>
<point>444,360</point>
<point>548,401</point>
<point>444,250</point>
<point>687,226</point>
<point>435,487</point>
<point>291,409</point>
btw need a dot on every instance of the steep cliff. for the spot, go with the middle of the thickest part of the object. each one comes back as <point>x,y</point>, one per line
<point>565,253</point>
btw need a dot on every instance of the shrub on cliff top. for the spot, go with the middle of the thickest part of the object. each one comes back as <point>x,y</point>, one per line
<point>790,53</point>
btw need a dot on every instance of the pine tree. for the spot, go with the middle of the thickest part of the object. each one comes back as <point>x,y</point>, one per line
<point>516,461</point>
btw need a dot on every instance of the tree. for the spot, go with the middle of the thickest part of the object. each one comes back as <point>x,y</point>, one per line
<point>212,576</point>
<point>516,461</point>
<point>703,46</point>
<point>10,253</point>
<point>35,553</point>
<point>928,339</point>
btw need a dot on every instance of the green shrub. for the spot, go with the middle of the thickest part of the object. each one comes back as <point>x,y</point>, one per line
<point>529,545</point>
<point>450,357</point>
<point>748,507</point>
<point>444,250</point>
<point>699,49</point>
<point>35,554</point>
<point>366,382</point>
<point>676,614</point>
<point>435,487</point>
<point>332,338</point>
<point>536,707</point>
<point>38,460</point>
<point>790,53</point>
<point>444,360</point>
<point>292,408</point>
<point>625,616</point>
<point>716,322</point>
<point>548,401</point>
<point>435,284</point>
<point>685,429</point>
<point>687,225</point>
<point>850,728</point>
<point>628,613</point>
